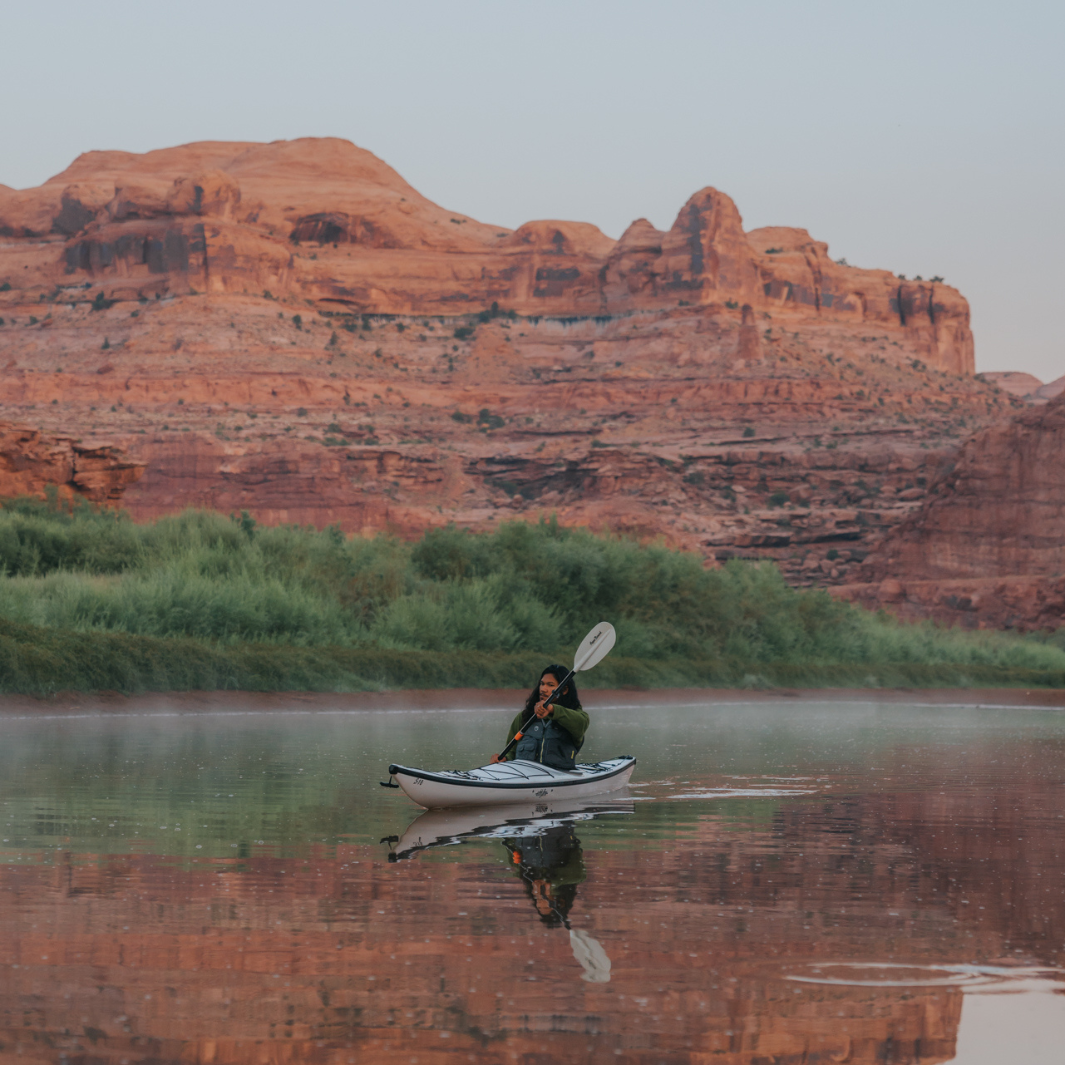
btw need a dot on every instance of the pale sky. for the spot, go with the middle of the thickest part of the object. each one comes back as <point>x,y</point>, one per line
<point>921,137</point>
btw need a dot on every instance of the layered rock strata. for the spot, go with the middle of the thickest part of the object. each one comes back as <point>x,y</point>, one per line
<point>293,330</point>
<point>323,220</point>
<point>986,548</point>
<point>31,463</point>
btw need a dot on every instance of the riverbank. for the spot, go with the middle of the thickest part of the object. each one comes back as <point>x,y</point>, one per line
<point>458,699</point>
<point>43,662</point>
<point>92,602</point>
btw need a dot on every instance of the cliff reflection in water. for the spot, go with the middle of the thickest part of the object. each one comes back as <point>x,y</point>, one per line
<point>322,950</point>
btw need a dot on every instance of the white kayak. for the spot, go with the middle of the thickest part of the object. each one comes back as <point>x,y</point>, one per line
<point>509,782</point>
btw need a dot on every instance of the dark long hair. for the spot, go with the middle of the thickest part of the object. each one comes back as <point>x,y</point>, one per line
<point>567,697</point>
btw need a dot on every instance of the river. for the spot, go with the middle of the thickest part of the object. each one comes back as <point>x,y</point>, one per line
<point>785,881</point>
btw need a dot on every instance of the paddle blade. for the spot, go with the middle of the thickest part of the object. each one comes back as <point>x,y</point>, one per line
<point>589,952</point>
<point>595,647</point>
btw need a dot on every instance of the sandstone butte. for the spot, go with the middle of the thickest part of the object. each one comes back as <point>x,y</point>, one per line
<point>291,329</point>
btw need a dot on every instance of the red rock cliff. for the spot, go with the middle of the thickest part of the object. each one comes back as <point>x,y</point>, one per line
<point>292,329</point>
<point>987,545</point>
<point>31,462</point>
<point>324,220</point>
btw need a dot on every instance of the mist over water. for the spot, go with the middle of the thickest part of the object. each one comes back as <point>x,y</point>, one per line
<point>786,881</point>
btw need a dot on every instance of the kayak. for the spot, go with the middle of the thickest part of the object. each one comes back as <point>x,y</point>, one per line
<point>448,828</point>
<point>510,782</point>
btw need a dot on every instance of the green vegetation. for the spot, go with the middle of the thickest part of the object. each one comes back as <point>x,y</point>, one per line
<point>90,600</point>
<point>487,420</point>
<point>495,312</point>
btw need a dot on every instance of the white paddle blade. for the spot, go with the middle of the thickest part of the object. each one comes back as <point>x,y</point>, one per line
<point>595,647</point>
<point>589,952</point>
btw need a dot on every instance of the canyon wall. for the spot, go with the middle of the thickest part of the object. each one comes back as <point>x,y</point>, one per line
<point>291,329</point>
<point>986,547</point>
<point>243,218</point>
<point>32,463</point>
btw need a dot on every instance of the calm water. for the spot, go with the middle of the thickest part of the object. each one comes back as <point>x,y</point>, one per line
<point>784,882</point>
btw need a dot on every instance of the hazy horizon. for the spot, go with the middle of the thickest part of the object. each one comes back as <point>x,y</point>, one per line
<point>925,139</point>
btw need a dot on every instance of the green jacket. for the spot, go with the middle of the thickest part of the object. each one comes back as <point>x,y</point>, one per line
<point>575,722</point>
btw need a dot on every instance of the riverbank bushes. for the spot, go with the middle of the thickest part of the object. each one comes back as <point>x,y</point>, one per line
<point>90,600</point>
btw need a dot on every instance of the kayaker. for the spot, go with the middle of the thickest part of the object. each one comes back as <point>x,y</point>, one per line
<point>557,731</point>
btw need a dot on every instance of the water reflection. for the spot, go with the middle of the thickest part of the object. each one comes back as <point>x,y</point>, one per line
<point>218,892</point>
<point>543,851</point>
<point>447,828</point>
<point>550,865</point>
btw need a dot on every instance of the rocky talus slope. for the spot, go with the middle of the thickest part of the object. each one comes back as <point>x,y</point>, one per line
<point>987,547</point>
<point>292,329</point>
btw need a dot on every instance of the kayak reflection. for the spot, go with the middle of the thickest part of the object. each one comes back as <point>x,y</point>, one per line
<point>543,849</point>
<point>447,828</point>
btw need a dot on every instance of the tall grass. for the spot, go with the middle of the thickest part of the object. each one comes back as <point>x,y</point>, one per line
<point>204,600</point>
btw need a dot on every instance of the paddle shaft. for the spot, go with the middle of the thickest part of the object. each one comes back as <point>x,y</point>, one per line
<point>547,702</point>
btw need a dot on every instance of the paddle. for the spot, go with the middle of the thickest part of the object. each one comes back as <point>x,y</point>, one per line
<point>593,649</point>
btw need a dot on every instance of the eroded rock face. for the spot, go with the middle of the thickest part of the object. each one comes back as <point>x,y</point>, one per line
<point>291,329</point>
<point>314,219</point>
<point>987,547</point>
<point>31,462</point>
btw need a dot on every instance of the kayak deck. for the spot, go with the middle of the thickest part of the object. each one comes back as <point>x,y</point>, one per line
<point>506,782</point>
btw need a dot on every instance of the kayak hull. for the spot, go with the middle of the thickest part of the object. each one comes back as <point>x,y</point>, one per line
<point>511,782</point>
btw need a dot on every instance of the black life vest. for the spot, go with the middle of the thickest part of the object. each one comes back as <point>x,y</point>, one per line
<point>547,742</point>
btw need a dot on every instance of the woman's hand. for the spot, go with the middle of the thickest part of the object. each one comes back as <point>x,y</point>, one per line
<point>495,758</point>
<point>542,711</point>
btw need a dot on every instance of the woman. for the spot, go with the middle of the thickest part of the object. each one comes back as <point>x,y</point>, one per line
<point>556,732</point>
